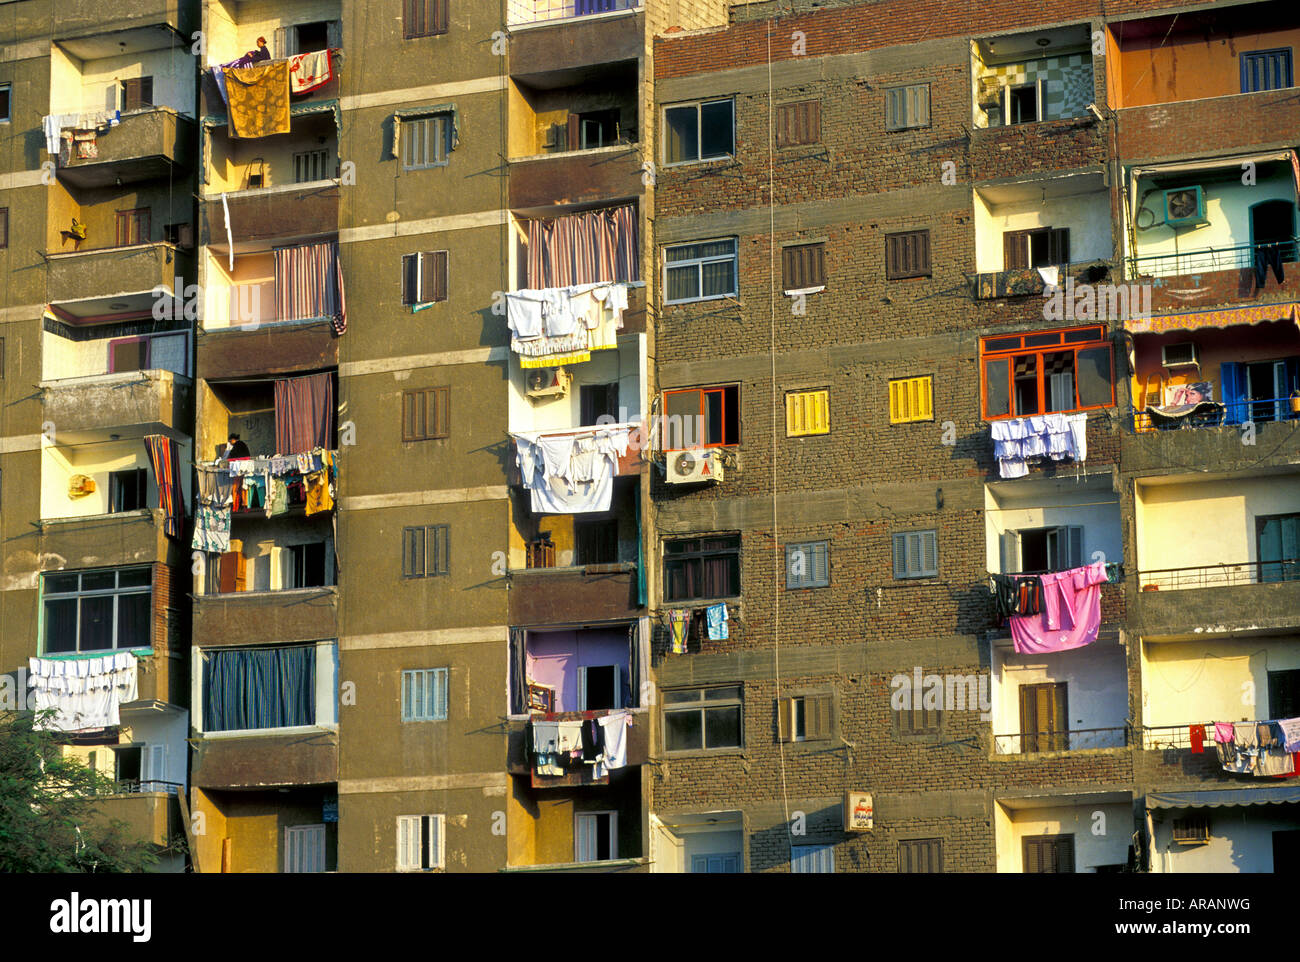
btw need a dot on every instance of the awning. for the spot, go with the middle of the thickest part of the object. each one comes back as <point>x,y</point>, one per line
<point>1194,320</point>
<point>1226,798</point>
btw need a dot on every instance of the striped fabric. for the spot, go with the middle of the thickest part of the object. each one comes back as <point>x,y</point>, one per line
<point>595,245</point>
<point>167,475</point>
<point>309,283</point>
<point>304,413</point>
<point>246,688</point>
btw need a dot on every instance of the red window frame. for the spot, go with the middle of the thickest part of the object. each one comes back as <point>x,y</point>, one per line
<point>721,390</point>
<point>1032,342</point>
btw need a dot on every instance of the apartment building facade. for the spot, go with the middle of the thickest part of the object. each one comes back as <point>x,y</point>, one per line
<point>645,368</point>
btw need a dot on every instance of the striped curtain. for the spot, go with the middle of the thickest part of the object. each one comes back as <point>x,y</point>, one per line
<point>259,688</point>
<point>304,413</point>
<point>595,245</point>
<point>167,475</point>
<point>309,283</point>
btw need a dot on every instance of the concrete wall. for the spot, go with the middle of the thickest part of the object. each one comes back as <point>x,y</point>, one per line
<point>1193,682</point>
<point>1014,509</point>
<point>1086,215</point>
<point>1090,850</point>
<point>1241,840</point>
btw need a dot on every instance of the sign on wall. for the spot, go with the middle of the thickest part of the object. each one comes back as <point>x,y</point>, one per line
<point>859,813</point>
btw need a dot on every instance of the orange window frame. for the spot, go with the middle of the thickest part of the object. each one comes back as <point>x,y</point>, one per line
<point>721,391</point>
<point>1039,350</point>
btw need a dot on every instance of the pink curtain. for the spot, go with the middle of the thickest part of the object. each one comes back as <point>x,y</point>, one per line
<point>595,245</point>
<point>309,283</point>
<point>304,413</point>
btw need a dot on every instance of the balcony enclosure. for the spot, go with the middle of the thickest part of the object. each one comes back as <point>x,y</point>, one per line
<point>1057,833</point>
<point>309,154</point>
<point>522,12</point>
<point>232,27</point>
<point>94,474</point>
<point>1042,222</point>
<point>586,109</point>
<point>575,670</point>
<point>1028,77</point>
<point>76,351</point>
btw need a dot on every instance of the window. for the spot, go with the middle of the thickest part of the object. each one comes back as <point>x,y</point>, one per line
<point>701,418</point>
<point>133,227</point>
<point>600,687</point>
<point>1284,693</point>
<point>807,412</point>
<point>425,551</point>
<point>595,836</point>
<point>179,235</point>
<point>419,842</point>
<point>255,688</point>
<point>812,858</point>
<point>799,123</point>
<point>97,610</point>
<point>1022,104</point>
<point>1039,247</point>
<point>920,855</point>
<point>304,848</point>
<point>137,94</point>
<point>1048,853</point>
<point>698,719</point>
<point>426,413</point>
<point>127,490</point>
<point>1038,550</point>
<point>808,565</point>
<point>907,254</point>
<point>424,18</point>
<point>911,399</point>
<point>306,566</point>
<point>312,165</point>
<point>128,354</point>
<point>424,695</point>
<point>803,266</point>
<point>699,568</point>
<point>916,554</point>
<point>588,130</point>
<point>912,714</point>
<point>4,227</point>
<point>907,107</point>
<point>803,718</point>
<point>1279,547</point>
<point>424,277</point>
<point>596,401</point>
<point>313,36</point>
<point>1050,371</point>
<point>1044,718</point>
<point>426,141</point>
<point>700,272</point>
<point>699,131</point>
<point>596,541</point>
<point>1266,70</point>
<point>6,91</point>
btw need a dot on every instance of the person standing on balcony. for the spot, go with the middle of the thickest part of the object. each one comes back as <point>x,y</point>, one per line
<point>236,450</point>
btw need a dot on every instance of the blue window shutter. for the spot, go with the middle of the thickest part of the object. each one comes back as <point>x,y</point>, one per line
<point>1232,376</point>
<point>440,689</point>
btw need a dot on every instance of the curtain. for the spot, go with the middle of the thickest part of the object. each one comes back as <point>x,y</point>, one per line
<point>304,413</point>
<point>309,283</point>
<point>167,475</point>
<point>585,248</point>
<point>245,688</point>
<point>1232,379</point>
<point>518,672</point>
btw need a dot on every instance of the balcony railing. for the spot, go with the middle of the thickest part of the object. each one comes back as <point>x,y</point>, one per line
<point>138,787</point>
<point>1161,737</point>
<point>1210,259</point>
<point>1220,575</point>
<point>1209,414</point>
<point>541,11</point>
<point>1075,740</point>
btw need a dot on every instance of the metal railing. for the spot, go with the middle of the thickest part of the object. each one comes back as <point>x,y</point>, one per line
<point>1254,410</point>
<point>1202,259</point>
<point>1074,740</point>
<point>1162,737</point>
<point>132,786</point>
<point>540,11</point>
<point>1220,575</point>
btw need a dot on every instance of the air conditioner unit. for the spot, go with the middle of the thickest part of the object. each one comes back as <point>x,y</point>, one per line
<point>1194,830</point>
<point>694,466</point>
<point>547,382</point>
<point>1183,354</point>
<point>1185,207</point>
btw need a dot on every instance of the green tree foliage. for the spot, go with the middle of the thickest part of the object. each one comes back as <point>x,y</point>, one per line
<point>49,820</point>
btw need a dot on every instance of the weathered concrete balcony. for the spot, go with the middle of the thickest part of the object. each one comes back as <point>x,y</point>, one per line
<point>1209,445</point>
<point>103,282</point>
<point>281,214</point>
<point>151,816</point>
<point>541,596</point>
<point>145,145</point>
<point>1212,600</point>
<point>558,35</point>
<point>252,617</point>
<point>592,176</point>
<point>1225,124</point>
<point>1066,144</point>
<point>519,760</point>
<point>77,18</point>
<point>295,757</point>
<point>273,347</point>
<point>130,403</point>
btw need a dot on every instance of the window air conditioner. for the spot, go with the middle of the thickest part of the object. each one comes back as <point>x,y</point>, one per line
<point>1192,831</point>
<point>548,382</point>
<point>1185,207</point>
<point>688,467</point>
<point>1183,354</point>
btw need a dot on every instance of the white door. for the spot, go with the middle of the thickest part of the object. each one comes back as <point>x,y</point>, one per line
<point>304,848</point>
<point>153,768</point>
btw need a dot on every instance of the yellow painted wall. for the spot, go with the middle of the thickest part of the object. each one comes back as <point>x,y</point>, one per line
<point>1194,682</point>
<point>1109,847</point>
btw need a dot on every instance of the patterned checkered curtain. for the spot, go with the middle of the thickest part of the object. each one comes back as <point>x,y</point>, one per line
<point>309,283</point>
<point>585,248</point>
<point>167,475</point>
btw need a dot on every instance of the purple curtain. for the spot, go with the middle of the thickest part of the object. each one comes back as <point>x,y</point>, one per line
<point>304,413</point>
<point>595,245</point>
<point>309,283</point>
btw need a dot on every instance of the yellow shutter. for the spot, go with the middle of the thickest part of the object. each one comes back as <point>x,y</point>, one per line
<point>911,399</point>
<point>807,412</point>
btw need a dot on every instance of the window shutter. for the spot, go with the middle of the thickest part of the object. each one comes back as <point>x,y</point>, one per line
<point>900,556</point>
<point>410,278</point>
<point>929,551</point>
<point>920,116</point>
<point>437,265</point>
<point>1074,551</point>
<point>784,712</point>
<point>334,34</point>
<point>820,563</point>
<point>817,714</point>
<point>894,109</point>
<point>573,132</point>
<point>1058,246</point>
<point>1015,250</point>
<point>1065,854</point>
<point>1033,856</point>
<point>413,552</point>
<point>440,694</point>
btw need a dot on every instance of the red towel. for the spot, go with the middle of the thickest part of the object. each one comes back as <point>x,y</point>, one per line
<point>1198,739</point>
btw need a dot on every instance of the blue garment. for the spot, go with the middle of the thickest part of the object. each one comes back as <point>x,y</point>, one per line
<point>716,616</point>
